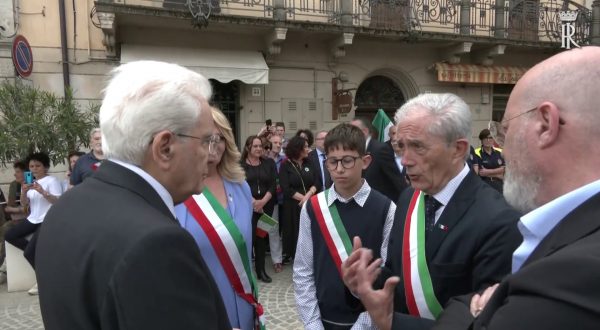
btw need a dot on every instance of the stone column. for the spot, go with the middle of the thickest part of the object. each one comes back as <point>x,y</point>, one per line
<point>346,7</point>
<point>500,29</point>
<point>595,33</point>
<point>279,12</point>
<point>465,17</point>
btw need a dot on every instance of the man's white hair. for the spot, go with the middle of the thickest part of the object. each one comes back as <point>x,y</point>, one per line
<point>452,117</point>
<point>144,98</point>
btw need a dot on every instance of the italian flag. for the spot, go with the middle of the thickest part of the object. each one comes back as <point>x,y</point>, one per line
<point>382,124</point>
<point>265,225</point>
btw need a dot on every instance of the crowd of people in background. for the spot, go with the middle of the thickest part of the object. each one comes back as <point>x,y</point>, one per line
<point>434,205</point>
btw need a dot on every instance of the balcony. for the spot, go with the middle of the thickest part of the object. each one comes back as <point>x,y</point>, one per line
<point>521,22</point>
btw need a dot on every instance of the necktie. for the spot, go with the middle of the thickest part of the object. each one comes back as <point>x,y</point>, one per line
<point>321,161</point>
<point>431,205</point>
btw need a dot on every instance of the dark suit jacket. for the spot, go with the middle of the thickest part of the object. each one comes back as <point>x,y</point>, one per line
<point>474,252</point>
<point>313,156</point>
<point>110,255</point>
<point>383,174</point>
<point>556,288</point>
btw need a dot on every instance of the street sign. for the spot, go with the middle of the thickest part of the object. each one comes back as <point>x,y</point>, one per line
<point>22,56</point>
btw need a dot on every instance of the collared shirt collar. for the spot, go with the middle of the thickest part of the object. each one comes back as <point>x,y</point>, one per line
<point>535,225</point>
<point>444,195</point>
<point>158,187</point>
<point>360,197</point>
<point>367,143</point>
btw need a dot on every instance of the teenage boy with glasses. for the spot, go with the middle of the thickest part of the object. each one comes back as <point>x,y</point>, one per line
<point>327,222</point>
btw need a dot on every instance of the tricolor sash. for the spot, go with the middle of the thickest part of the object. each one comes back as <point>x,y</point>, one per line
<point>333,230</point>
<point>229,246</point>
<point>420,297</point>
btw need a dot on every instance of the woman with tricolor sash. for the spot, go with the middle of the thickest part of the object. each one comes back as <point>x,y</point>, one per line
<point>219,219</point>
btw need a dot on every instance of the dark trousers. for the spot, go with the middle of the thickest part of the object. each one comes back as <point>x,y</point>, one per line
<point>290,223</point>
<point>17,236</point>
<point>260,247</point>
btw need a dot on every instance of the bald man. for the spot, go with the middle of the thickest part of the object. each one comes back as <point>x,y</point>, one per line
<point>551,119</point>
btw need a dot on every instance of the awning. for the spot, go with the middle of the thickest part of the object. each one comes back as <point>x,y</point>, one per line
<point>479,74</point>
<point>222,65</point>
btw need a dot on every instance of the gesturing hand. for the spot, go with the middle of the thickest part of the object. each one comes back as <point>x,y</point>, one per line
<point>359,273</point>
<point>478,301</point>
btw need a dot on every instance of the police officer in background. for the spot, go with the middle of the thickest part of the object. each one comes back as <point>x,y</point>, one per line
<point>490,163</point>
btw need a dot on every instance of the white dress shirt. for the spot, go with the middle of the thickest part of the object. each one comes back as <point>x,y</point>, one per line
<point>535,225</point>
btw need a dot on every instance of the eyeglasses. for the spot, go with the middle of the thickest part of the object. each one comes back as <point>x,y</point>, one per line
<point>211,140</point>
<point>348,162</point>
<point>497,129</point>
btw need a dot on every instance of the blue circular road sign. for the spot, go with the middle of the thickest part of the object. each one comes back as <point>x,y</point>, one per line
<point>22,56</point>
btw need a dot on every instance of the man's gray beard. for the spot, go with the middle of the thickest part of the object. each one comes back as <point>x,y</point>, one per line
<point>520,190</point>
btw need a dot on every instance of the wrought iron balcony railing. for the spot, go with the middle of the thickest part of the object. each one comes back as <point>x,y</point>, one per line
<point>529,20</point>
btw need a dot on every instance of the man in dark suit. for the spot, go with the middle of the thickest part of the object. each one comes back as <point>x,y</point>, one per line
<point>382,174</point>
<point>554,282</point>
<point>467,231</point>
<point>317,157</point>
<point>111,254</point>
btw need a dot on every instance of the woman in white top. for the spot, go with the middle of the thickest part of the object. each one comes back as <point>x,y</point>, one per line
<point>39,197</point>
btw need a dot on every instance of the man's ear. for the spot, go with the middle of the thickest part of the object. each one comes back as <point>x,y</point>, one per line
<point>547,124</point>
<point>461,148</point>
<point>162,149</point>
<point>366,161</point>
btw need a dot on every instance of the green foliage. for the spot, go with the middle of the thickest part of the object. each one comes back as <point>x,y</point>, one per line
<point>35,120</point>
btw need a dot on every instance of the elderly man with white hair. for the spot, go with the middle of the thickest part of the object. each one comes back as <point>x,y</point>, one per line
<point>111,253</point>
<point>452,233</point>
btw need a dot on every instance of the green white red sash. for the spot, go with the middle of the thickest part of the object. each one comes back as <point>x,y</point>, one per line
<point>229,246</point>
<point>420,297</point>
<point>333,230</point>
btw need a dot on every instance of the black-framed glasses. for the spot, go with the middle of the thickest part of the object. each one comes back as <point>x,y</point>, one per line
<point>348,162</point>
<point>497,129</point>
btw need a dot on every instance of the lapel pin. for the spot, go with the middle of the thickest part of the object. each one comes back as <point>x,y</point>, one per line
<point>442,227</point>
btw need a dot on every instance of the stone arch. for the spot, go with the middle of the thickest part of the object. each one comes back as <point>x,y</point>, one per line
<point>384,88</point>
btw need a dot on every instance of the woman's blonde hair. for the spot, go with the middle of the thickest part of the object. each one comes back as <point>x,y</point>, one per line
<point>229,167</point>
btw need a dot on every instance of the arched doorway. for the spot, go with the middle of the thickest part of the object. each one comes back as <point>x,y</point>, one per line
<point>378,92</point>
<point>226,97</point>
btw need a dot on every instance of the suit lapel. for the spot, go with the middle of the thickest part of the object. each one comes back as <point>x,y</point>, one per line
<point>114,174</point>
<point>459,203</point>
<point>582,221</point>
<point>314,155</point>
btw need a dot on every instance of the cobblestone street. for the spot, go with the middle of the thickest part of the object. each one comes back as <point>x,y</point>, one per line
<point>19,311</point>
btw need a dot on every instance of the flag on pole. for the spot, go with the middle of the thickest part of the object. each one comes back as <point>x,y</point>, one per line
<point>265,225</point>
<point>382,124</point>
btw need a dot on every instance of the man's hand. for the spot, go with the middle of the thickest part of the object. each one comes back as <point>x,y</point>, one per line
<point>349,266</point>
<point>478,302</point>
<point>359,273</point>
<point>380,303</point>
